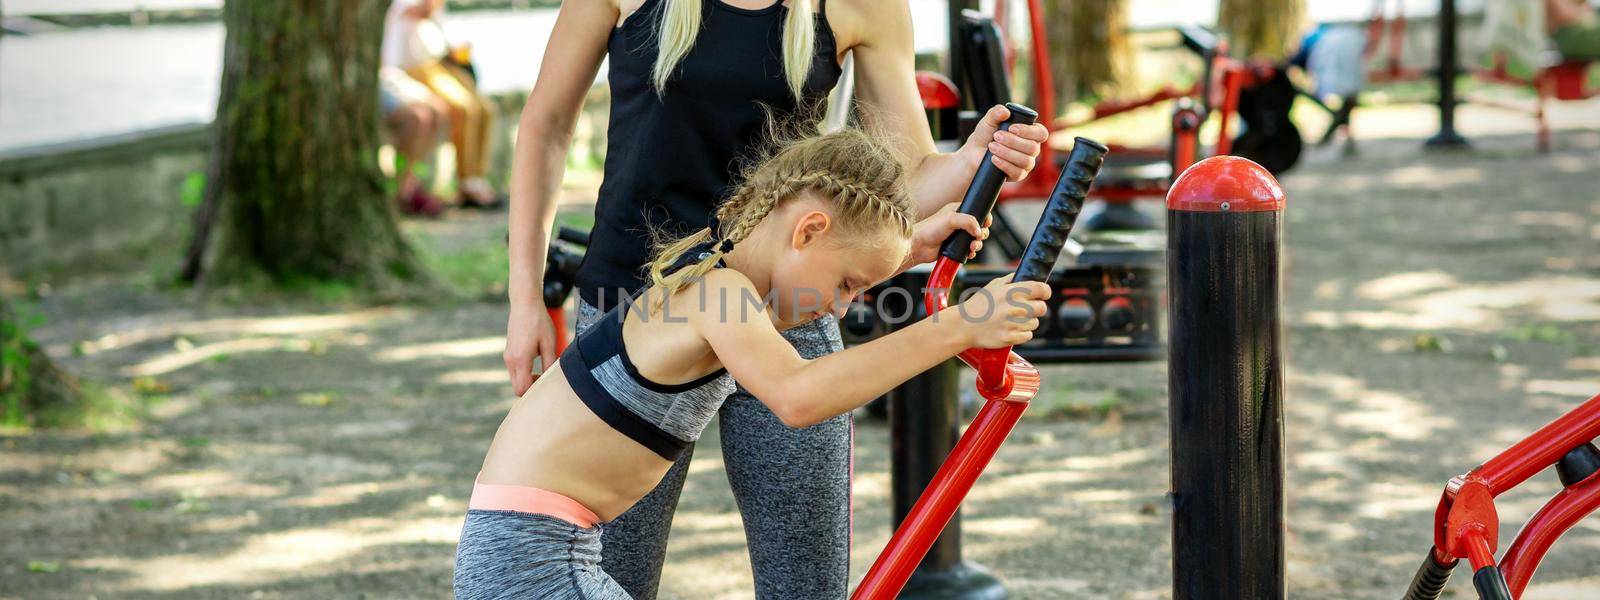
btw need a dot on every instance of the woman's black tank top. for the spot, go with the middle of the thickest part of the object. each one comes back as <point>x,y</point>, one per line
<point>672,159</point>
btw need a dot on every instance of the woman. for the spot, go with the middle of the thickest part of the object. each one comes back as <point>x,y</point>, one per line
<point>414,42</point>
<point>694,83</point>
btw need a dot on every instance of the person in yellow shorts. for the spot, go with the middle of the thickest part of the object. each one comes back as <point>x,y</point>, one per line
<point>414,41</point>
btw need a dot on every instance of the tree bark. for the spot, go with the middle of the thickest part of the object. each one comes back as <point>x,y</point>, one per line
<point>1089,50</point>
<point>293,180</point>
<point>1262,28</point>
<point>33,391</point>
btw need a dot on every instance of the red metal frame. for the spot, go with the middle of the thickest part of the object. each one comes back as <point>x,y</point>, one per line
<point>1007,383</point>
<point>1466,524</point>
<point>1233,73</point>
<point>558,317</point>
<point>1393,69</point>
<point>1565,81</point>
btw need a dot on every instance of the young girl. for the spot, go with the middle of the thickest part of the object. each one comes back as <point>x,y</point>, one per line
<point>808,230</point>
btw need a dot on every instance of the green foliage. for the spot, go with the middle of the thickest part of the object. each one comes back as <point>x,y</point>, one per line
<point>483,268</point>
<point>15,364</point>
<point>325,291</point>
<point>317,399</point>
<point>1549,333</point>
<point>193,190</point>
<point>480,269</point>
<point>1428,342</point>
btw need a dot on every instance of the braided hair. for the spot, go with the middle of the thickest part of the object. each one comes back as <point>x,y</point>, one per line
<point>859,175</point>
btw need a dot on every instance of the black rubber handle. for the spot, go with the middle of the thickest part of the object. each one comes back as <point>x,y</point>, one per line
<point>1491,584</point>
<point>1431,577</point>
<point>1061,210</point>
<point>984,189</point>
<point>572,235</point>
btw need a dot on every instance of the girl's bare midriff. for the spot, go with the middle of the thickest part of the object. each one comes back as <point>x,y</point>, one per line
<point>550,440</point>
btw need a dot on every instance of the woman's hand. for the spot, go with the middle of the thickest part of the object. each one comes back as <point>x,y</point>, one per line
<point>930,233</point>
<point>1002,313</point>
<point>1014,149</point>
<point>529,334</point>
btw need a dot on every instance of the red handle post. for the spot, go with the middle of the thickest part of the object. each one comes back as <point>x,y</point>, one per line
<point>1007,382</point>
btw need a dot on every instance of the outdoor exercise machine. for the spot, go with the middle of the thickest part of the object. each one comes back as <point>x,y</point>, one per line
<point>1224,216</point>
<point>1005,379</point>
<point>561,263</point>
<point>1466,526</point>
<point>1561,80</point>
<point>981,62</point>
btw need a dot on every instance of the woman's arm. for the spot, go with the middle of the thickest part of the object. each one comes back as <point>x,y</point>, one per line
<point>806,392</point>
<point>571,60</point>
<point>880,35</point>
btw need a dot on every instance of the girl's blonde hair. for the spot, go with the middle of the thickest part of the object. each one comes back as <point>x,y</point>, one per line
<point>861,176</point>
<point>678,28</point>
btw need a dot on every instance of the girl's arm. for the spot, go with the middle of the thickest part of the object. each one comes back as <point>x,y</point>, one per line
<point>885,59</point>
<point>806,392</point>
<point>571,59</point>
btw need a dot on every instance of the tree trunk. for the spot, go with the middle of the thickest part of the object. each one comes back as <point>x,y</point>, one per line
<point>1089,50</point>
<point>33,391</point>
<point>1262,28</point>
<point>294,177</point>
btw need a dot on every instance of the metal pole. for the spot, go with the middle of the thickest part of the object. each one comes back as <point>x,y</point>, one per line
<point>1225,369</point>
<point>956,47</point>
<point>924,422</point>
<point>1446,70</point>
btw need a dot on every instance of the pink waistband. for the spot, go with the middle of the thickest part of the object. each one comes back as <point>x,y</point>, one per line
<point>532,500</point>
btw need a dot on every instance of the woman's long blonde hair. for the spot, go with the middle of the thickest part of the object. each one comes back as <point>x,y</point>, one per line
<point>677,29</point>
<point>862,177</point>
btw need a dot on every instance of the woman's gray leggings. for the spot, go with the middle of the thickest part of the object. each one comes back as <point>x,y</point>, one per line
<point>792,487</point>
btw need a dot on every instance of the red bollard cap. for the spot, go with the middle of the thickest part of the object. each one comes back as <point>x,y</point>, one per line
<point>1225,184</point>
<point>937,91</point>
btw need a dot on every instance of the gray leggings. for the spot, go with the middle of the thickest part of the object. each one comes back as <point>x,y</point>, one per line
<point>792,487</point>
<point>508,554</point>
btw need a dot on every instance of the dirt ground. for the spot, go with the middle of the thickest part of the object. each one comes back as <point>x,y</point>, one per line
<point>1439,307</point>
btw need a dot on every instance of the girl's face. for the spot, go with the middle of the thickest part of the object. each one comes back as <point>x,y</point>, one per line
<point>823,267</point>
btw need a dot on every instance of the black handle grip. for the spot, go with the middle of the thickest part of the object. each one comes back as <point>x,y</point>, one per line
<point>1431,577</point>
<point>1491,584</point>
<point>984,189</point>
<point>1061,211</point>
<point>572,235</point>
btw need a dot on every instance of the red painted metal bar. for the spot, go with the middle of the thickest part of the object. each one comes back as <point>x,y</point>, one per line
<point>1466,523</point>
<point>558,317</point>
<point>1541,531</point>
<point>1007,382</point>
<point>1232,83</point>
<point>1542,449</point>
<point>1111,108</point>
<point>1044,82</point>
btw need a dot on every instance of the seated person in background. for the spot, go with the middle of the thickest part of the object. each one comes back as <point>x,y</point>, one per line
<point>413,114</point>
<point>414,42</point>
<point>1572,25</point>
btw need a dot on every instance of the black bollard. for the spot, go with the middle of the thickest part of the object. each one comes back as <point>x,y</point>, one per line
<point>1225,378</point>
<point>1446,74</point>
